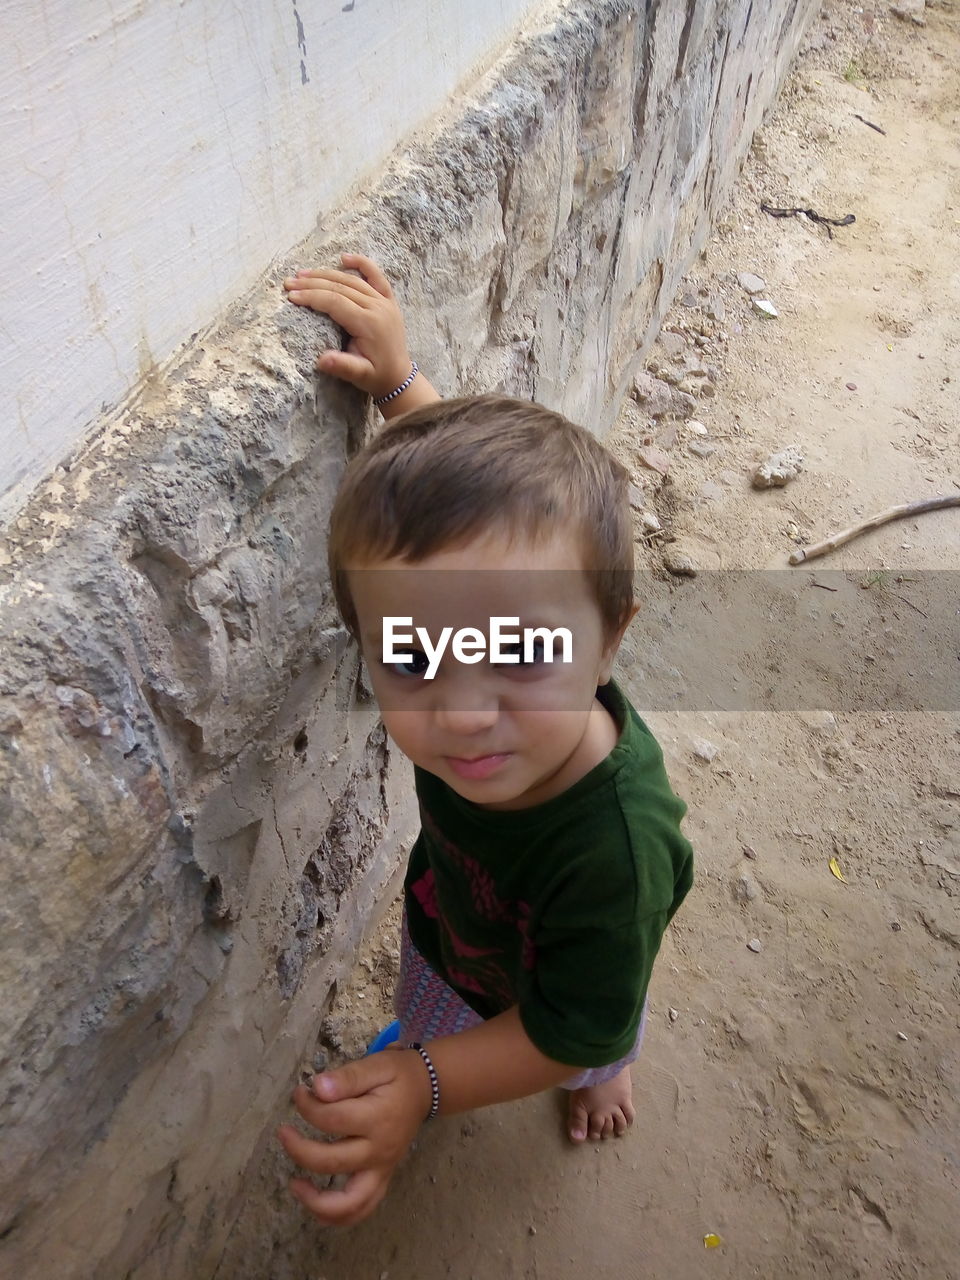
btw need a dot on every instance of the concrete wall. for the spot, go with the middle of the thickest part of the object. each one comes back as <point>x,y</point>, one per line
<point>156,157</point>
<point>198,807</point>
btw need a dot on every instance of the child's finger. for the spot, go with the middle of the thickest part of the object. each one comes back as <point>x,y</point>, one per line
<point>347,279</point>
<point>346,1155</point>
<point>345,288</point>
<point>339,364</point>
<point>352,1118</point>
<point>370,271</point>
<point>343,311</point>
<point>343,1206</point>
<point>354,1079</point>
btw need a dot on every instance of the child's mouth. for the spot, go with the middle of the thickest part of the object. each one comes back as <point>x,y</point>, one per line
<point>479,767</point>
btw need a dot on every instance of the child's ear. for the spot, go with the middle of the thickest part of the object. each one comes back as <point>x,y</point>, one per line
<point>608,657</point>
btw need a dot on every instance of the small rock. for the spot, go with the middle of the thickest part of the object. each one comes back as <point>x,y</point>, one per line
<point>704,750</point>
<point>896,926</point>
<point>851,386</point>
<point>764,307</point>
<point>696,428</point>
<point>678,561</point>
<point>716,309</point>
<point>750,283</point>
<point>689,386</point>
<point>910,12</point>
<point>701,448</point>
<point>779,469</point>
<point>531,1231</point>
<point>673,1014</point>
<point>650,522</point>
<point>746,889</point>
<point>901,1036</point>
<point>823,722</point>
<point>660,400</point>
<point>689,298</point>
<point>750,852</point>
<point>673,344</point>
<point>668,438</point>
<point>755,945</point>
<point>653,459</point>
<point>638,499</point>
<point>707,390</point>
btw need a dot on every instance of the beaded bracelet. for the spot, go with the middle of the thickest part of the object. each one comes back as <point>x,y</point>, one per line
<point>434,1081</point>
<point>398,391</point>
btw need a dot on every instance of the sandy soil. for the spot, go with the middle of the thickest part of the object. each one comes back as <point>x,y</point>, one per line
<point>799,1101</point>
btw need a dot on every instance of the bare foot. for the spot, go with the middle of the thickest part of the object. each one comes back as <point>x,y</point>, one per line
<point>603,1110</point>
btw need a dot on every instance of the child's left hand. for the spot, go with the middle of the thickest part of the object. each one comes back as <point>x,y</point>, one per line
<point>374,1108</point>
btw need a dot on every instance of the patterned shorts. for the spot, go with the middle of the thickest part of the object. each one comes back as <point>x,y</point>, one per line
<point>427,1009</point>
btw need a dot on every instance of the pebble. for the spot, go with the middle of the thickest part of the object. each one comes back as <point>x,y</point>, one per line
<point>531,1231</point>
<point>689,298</point>
<point>851,386</point>
<point>896,926</point>
<point>638,499</point>
<point>901,1036</point>
<point>716,309</point>
<point>909,13</point>
<point>704,750</point>
<point>701,448</point>
<point>654,459</point>
<point>764,307</point>
<point>778,469</point>
<point>679,561</point>
<point>750,852</point>
<point>673,1014</point>
<point>658,399</point>
<point>755,945</point>
<point>673,344</point>
<point>746,889</point>
<point>651,522</point>
<point>823,722</point>
<point>750,283</point>
<point>697,428</point>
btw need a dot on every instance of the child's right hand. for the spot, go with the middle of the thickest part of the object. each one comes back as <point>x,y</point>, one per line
<point>376,358</point>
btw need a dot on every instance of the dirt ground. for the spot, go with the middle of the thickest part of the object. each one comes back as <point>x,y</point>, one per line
<point>800,1100</point>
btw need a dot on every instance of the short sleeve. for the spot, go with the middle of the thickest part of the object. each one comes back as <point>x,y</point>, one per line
<point>583,1000</point>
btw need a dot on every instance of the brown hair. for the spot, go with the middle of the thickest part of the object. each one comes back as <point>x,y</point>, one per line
<point>444,473</point>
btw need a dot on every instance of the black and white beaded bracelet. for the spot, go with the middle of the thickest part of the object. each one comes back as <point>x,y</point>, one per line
<point>398,391</point>
<point>434,1081</point>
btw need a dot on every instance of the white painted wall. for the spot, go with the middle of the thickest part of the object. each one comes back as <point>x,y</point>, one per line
<point>157,154</point>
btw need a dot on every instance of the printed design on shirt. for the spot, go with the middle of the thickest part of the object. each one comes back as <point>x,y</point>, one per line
<point>479,969</point>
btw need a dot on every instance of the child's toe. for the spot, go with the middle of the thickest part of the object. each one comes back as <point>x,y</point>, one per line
<point>578,1120</point>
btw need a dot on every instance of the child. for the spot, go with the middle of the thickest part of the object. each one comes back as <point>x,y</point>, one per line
<point>550,858</point>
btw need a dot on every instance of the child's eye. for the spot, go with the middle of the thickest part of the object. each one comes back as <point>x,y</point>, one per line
<point>536,656</point>
<point>417,666</point>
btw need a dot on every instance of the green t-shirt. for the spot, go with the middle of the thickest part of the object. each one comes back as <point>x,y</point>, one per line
<point>559,908</point>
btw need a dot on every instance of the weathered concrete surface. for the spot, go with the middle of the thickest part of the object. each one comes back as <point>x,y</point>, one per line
<point>198,807</point>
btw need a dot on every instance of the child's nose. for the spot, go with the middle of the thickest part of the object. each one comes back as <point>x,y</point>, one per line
<point>462,714</point>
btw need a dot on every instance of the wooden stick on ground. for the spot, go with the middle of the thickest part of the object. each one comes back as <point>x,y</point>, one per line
<point>892,513</point>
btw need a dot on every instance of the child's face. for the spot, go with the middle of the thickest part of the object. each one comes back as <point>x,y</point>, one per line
<point>503,735</point>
